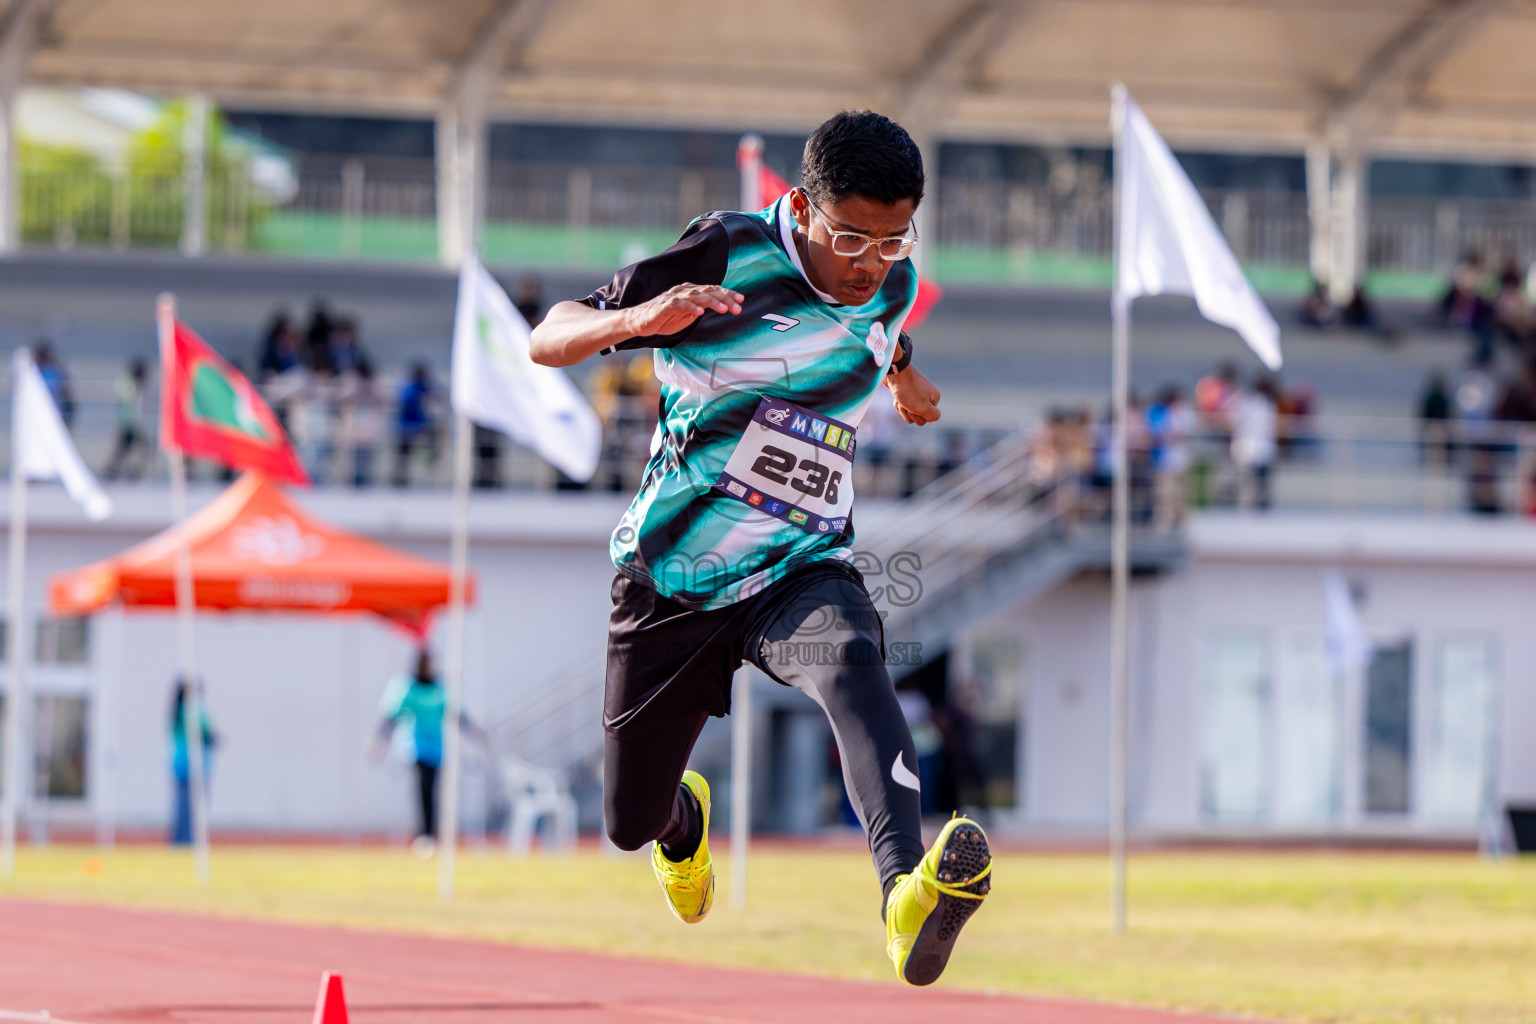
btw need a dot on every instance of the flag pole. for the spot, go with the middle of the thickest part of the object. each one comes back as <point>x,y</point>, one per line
<point>15,696</point>
<point>749,158</point>
<point>448,828</point>
<point>1119,662</point>
<point>192,708</point>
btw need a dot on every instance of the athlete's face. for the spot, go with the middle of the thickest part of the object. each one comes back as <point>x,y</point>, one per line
<point>851,280</point>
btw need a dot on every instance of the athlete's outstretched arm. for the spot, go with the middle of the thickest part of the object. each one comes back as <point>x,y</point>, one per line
<point>572,331</point>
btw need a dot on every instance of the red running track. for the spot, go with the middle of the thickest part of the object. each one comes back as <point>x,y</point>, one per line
<point>96,965</point>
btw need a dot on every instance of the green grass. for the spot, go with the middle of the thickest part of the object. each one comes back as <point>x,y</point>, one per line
<point>1296,936</point>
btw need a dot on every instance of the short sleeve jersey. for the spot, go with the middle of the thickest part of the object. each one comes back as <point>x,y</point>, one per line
<point>420,707</point>
<point>684,535</point>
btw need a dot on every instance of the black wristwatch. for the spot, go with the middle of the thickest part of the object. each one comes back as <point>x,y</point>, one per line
<point>903,354</point>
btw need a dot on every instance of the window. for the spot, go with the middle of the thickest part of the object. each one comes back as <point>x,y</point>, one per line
<point>62,642</point>
<point>55,641</point>
<point>1458,768</point>
<point>992,694</point>
<point>59,726</point>
<point>1307,734</point>
<point>1235,745</point>
<point>1389,730</point>
<point>59,743</point>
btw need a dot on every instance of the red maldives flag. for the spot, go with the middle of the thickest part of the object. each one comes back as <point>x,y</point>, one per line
<point>209,410</point>
<point>771,187</point>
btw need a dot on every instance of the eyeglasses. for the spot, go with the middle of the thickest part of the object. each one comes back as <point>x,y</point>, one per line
<point>851,243</point>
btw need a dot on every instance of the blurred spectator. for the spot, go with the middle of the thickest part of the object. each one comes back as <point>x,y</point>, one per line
<point>529,299</point>
<point>1434,419</point>
<point>487,475</point>
<point>1318,308</point>
<point>918,711</point>
<point>962,782</point>
<point>279,347</point>
<point>1215,397</point>
<point>312,421</point>
<point>1140,463</point>
<point>1360,312</point>
<point>130,455</point>
<point>1254,439</point>
<point>55,378</point>
<point>346,353</point>
<point>1513,317</point>
<point>1463,294</point>
<point>1517,400</point>
<point>1464,307</point>
<point>414,424</point>
<point>624,395</point>
<point>360,423</point>
<point>413,709</point>
<point>1297,406</point>
<point>317,340</point>
<point>180,753</point>
<point>1476,400</point>
<point>1172,422</point>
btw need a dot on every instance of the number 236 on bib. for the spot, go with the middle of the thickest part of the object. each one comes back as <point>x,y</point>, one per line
<point>794,465</point>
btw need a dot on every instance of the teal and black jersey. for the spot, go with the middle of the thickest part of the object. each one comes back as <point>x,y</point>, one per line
<point>750,469</point>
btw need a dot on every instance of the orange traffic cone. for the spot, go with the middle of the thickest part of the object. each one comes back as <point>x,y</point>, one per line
<point>331,1006</point>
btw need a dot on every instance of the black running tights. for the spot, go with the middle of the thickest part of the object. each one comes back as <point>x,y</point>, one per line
<point>670,668</point>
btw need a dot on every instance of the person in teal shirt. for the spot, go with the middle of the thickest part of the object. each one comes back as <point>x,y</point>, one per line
<point>180,756</point>
<point>413,708</point>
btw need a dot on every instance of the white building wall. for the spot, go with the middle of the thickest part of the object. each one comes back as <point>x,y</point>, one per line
<point>1422,581</point>
<point>294,698</point>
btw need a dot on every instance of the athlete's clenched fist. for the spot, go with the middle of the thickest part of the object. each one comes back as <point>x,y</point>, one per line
<point>679,306</point>
<point>915,396</point>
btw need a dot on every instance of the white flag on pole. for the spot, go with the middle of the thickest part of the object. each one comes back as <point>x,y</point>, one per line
<point>46,450</point>
<point>497,384</point>
<point>1170,245</point>
<point>1349,645</point>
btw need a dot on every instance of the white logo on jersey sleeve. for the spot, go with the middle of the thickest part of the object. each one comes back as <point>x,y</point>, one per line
<point>877,342</point>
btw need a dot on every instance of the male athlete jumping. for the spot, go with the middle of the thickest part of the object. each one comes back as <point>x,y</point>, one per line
<point>772,332</point>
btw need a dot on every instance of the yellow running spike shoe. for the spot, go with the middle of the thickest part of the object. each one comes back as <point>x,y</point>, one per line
<point>927,909</point>
<point>689,884</point>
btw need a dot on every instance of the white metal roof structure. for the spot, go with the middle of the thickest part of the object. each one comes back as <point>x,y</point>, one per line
<point>1420,76</point>
<point>1348,78</point>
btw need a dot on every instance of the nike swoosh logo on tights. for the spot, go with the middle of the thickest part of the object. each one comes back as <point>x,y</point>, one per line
<point>904,777</point>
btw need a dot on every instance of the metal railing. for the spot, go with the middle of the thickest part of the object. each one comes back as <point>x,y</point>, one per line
<point>386,208</point>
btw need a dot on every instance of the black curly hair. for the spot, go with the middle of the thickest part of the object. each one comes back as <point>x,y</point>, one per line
<point>859,152</point>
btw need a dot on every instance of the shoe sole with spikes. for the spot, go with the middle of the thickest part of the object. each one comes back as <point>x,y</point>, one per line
<point>966,859</point>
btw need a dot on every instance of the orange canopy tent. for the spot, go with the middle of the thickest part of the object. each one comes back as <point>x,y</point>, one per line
<point>253,548</point>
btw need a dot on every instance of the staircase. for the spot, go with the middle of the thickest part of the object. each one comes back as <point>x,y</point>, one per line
<point>997,531</point>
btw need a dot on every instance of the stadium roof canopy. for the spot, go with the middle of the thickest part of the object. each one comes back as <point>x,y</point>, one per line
<point>1420,77</point>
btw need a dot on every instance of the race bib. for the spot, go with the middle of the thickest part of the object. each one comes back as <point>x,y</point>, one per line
<point>794,465</point>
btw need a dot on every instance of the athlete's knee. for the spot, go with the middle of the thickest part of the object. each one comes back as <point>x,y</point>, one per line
<point>631,833</point>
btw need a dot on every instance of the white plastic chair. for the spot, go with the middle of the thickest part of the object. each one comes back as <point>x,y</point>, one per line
<point>535,793</point>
